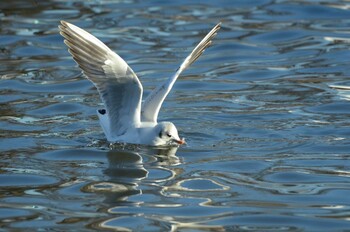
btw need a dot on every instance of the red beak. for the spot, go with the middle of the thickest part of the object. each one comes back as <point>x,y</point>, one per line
<point>181,141</point>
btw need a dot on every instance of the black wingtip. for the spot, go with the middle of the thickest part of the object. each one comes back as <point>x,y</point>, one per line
<point>102,111</point>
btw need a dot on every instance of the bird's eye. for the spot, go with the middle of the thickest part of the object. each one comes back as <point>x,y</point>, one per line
<point>169,135</point>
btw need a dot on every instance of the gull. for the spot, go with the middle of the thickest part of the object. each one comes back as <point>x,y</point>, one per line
<point>125,118</point>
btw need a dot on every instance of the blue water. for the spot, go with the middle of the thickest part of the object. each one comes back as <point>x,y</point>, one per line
<point>267,131</point>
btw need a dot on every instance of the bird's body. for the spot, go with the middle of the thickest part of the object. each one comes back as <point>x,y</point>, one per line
<point>125,118</point>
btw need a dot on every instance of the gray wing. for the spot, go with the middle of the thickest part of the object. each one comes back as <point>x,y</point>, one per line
<point>154,101</point>
<point>118,86</point>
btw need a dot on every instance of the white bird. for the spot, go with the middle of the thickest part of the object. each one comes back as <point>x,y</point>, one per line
<point>125,118</point>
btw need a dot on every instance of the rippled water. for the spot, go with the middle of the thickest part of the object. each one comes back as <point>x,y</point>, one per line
<point>267,127</point>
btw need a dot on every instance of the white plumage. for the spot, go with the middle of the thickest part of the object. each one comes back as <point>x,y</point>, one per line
<point>125,118</point>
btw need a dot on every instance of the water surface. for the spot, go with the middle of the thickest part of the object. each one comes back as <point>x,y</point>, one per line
<point>268,135</point>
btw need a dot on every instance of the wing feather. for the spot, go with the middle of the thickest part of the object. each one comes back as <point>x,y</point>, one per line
<point>118,86</point>
<point>154,101</point>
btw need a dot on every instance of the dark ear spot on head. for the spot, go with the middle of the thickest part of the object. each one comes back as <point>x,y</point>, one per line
<point>102,111</point>
<point>160,134</point>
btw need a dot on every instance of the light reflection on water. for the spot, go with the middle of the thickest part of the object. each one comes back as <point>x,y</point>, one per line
<point>264,112</point>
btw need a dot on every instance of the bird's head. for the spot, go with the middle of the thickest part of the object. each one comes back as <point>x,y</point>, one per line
<point>168,135</point>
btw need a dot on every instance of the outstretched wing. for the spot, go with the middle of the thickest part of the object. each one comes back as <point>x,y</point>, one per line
<point>118,86</point>
<point>153,103</point>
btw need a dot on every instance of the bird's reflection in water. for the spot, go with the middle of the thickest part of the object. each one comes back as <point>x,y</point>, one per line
<point>166,157</point>
<point>126,170</point>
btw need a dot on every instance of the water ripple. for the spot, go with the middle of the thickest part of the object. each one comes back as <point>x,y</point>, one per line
<point>264,112</point>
